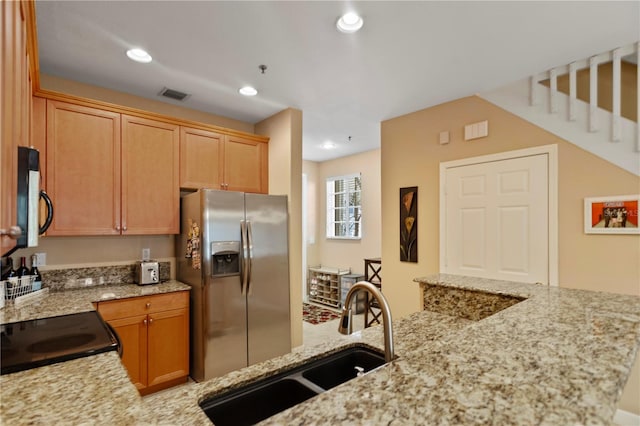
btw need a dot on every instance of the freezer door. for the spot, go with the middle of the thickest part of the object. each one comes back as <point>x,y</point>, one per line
<point>225,315</point>
<point>268,313</point>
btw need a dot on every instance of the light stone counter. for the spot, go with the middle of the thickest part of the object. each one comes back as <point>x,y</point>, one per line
<point>91,390</point>
<point>74,301</point>
<point>558,357</point>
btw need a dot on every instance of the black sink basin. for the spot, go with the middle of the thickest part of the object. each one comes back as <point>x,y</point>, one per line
<point>343,367</point>
<point>256,402</point>
<point>262,399</point>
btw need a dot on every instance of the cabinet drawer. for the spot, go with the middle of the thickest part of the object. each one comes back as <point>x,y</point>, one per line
<point>143,305</point>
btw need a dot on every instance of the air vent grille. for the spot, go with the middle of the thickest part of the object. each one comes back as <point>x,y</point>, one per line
<point>174,94</point>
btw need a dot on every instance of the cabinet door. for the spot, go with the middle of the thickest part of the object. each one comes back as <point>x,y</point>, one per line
<point>8,150</point>
<point>201,162</point>
<point>245,165</point>
<point>83,169</point>
<point>133,337</point>
<point>39,134</point>
<point>150,176</point>
<point>168,343</point>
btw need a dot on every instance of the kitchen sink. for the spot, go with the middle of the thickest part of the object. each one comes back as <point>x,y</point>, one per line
<point>262,399</point>
<point>342,367</point>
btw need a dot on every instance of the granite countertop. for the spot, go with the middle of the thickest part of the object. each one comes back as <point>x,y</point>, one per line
<point>559,356</point>
<point>90,390</point>
<point>80,300</point>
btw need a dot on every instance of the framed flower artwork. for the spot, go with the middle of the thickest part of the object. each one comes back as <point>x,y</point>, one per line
<point>409,224</point>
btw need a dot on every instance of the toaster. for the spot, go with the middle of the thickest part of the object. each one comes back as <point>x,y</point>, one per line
<point>147,272</point>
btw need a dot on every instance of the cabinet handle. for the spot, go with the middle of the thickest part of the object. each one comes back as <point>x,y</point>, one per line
<point>124,228</point>
<point>150,320</point>
<point>118,228</point>
<point>148,305</point>
<point>144,321</point>
<point>13,232</point>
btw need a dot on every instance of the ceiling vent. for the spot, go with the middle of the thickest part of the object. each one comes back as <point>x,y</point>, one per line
<point>173,94</point>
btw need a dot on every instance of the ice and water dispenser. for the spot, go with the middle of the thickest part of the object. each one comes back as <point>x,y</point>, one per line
<point>225,258</point>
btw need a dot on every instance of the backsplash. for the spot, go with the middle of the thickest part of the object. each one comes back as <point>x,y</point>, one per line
<point>73,278</point>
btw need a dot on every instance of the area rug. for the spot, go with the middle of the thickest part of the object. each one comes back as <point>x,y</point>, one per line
<point>316,315</point>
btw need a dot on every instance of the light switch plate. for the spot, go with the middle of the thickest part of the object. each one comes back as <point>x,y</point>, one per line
<point>443,138</point>
<point>146,254</point>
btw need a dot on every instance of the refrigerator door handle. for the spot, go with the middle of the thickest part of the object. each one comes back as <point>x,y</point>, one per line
<point>245,256</point>
<point>250,257</point>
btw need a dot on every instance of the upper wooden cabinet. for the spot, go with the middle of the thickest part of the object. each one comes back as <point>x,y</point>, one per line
<point>201,160</point>
<point>83,169</point>
<point>16,76</point>
<point>214,160</point>
<point>245,165</point>
<point>150,181</point>
<point>110,174</point>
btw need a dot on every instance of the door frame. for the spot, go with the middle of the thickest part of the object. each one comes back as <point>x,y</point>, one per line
<point>552,174</point>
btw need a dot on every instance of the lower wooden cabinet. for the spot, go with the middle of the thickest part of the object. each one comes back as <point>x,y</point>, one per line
<point>154,333</point>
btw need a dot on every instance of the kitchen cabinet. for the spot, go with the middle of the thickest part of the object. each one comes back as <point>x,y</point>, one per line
<point>245,165</point>
<point>154,333</point>
<point>83,169</point>
<point>17,73</point>
<point>201,159</point>
<point>110,173</point>
<point>150,176</point>
<point>219,161</point>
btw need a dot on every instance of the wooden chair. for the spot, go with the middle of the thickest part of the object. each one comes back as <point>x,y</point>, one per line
<point>372,269</point>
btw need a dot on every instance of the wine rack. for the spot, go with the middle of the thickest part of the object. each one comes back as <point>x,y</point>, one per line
<point>323,284</point>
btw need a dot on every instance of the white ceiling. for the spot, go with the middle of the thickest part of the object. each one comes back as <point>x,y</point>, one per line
<point>408,56</point>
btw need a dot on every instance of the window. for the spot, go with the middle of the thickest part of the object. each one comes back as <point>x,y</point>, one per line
<point>344,207</point>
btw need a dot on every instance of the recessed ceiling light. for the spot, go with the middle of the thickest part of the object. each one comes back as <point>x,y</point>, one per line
<point>139,55</point>
<point>328,145</point>
<point>349,23</point>
<point>248,91</point>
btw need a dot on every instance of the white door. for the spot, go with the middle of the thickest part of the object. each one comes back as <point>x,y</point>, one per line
<point>497,221</point>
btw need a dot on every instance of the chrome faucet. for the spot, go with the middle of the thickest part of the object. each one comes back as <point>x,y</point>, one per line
<point>345,318</point>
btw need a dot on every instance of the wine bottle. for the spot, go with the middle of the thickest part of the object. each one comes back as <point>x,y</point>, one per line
<point>7,270</point>
<point>37,283</point>
<point>22,270</point>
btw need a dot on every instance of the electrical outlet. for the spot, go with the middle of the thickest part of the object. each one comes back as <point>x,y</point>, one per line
<point>41,258</point>
<point>146,254</point>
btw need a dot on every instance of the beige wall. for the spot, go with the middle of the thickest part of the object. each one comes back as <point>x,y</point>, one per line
<point>313,216</point>
<point>411,156</point>
<point>345,253</point>
<point>75,88</point>
<point>285,178</point>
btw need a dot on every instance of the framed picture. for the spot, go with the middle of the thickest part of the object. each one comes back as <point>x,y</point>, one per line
<point>611,215</point>
<point>409,224</point>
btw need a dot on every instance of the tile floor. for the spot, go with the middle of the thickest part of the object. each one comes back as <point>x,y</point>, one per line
<point>317,333</point>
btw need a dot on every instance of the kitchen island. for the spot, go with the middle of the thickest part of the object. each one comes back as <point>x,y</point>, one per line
<point>553,356</point>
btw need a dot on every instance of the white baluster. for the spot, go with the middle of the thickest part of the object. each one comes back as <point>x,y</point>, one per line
<point>593,94</point>
<point>638,99</point>
<point>572,91</point>
<point>553,95</point>
<point>616,123</point>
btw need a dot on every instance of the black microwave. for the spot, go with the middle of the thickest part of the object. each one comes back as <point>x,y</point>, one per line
<point>28,200</point>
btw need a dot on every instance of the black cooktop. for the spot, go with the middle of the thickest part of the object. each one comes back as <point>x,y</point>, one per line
<point>34,343</point>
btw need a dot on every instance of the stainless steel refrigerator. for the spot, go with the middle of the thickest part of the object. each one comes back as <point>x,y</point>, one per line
<point>233,251</point>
